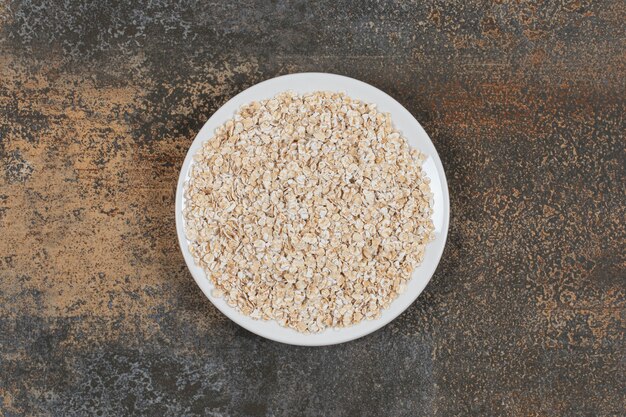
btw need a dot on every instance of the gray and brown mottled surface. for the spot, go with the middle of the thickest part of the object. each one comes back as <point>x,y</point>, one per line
<point>525,102</point>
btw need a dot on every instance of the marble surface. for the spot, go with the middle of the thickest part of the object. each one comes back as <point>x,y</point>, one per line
<point>99,101</point>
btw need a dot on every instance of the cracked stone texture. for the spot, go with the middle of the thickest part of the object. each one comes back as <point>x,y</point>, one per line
<point>525,102</point>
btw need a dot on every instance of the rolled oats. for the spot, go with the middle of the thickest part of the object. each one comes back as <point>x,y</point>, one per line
<point>310,210</point>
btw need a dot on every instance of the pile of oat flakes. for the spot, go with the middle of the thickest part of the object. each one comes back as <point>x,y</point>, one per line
<point>310,210</point>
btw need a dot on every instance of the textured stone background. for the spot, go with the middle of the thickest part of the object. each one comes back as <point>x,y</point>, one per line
<point>99,101</point>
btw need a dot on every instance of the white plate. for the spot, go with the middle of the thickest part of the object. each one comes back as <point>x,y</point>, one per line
<point>411,130</point>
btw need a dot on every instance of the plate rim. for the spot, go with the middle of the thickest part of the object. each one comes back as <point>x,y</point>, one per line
<point>231,312</point>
